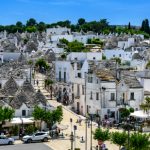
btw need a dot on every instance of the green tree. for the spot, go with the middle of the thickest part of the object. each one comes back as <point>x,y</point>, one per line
<point>117,59</point>
<point>145,26</point>
<point>75,46</point>
<point>31,22</point>
<point>38,114</point>
<point>103,57</point>
<point>102,135</point>
<point>64,41</point>
<point>119,138</point>
<point>129,26</point>
<point>31,29</point>
<point>19,24</point>
<point>139,141</point>
<point>81,21</point>
<point>49,117</point>
<point>41,26</point>
<point>6,113</point>
<point>146,105</point>
<point>41,63</point>
<point>148,65</point>
<point>49,83</point>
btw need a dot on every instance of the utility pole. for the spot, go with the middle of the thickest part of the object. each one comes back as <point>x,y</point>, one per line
<point>91,131</point>
<point>85,115</point>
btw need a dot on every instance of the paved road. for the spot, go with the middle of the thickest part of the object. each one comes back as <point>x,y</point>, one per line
<point>33,146</point>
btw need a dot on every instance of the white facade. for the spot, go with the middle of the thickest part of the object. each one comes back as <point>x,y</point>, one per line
<point>126,44</point>
<point>97,56</point>
<point>132,97</point>
<point>123,55</point>
<point>57,31</point>
<point>56,38</point>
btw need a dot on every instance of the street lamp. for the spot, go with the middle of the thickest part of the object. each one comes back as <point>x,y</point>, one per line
<point>75,128</point>
<point>71,136</point>
<point>85,77</point>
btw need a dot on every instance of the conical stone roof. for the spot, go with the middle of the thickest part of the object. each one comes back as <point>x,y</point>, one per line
<point>28,88</point>
<point>19,99</point>
<point>39,98</point>
<point>10,87</point>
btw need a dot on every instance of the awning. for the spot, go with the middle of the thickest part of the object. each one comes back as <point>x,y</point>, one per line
<point>21,121</point>
<point>139,114</point>
<point>60,126</point>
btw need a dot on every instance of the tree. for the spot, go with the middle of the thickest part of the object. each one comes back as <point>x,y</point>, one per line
<point>19,24</point>
<point>139,141</point>
<point>129,26</point>
<point>38,114</point>
<point>49,82</point>
<point>41,64</point>
<point>49,117</point>
<point>103,57</point>
<point>145,26</point>
<point>118,60</point>
<point>31,22</point>
<point>41,26</point>
<point>148,65</point>
<point>75,46</point>
<point>146,105</point>
<point>102,135</point>
<point>6,113</point>
<point>31,29</point>
<point>119,138</point>
<point>64,41</point>
<point>81,21</point>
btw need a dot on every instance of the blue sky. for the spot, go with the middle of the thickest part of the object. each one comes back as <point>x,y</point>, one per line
<point>116,11</point>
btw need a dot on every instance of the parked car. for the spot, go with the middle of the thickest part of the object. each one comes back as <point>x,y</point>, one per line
<point>6,140</point>
<point>39,136</point>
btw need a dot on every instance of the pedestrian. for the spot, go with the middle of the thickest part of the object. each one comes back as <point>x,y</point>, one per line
<point>80,120</point>
<point>37,82</point>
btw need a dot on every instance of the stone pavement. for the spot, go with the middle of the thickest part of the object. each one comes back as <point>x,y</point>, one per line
<point>65,143</point>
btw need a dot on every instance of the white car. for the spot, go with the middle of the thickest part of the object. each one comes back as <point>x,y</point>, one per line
<point>6,141</point>
<point>39,136</point>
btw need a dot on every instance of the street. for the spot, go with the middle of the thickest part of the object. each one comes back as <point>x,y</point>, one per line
<point>33,146</point>
<point>56,144</point>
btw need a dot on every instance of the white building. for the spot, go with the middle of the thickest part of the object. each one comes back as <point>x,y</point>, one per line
<point>120,53</point>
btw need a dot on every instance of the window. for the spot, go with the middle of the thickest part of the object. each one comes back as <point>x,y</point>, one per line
<point>90,79</point>
<point>97,96</point>
<point>79,75</point>
<point>64,76</point>
<point>132,96</point>
<point>91,96</point>
<point>78,90</point>
<point>82,89</point>
<point>119,55</point>
<point>112,96</point>
<point>97,81</point>
<point>23,112</point>
<point>59,76</point>
<point>113,55</point>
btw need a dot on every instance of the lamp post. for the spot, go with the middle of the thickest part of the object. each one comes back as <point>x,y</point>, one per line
<point>85,113</point>
<point>75,128</point>
<point>91,118</point>
<point>71,136</point>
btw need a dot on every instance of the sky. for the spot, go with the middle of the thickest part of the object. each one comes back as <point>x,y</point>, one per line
<point>118,12</point>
